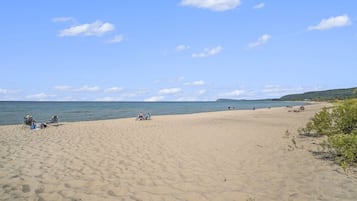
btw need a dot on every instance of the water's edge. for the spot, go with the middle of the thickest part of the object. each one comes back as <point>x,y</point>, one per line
<point>13,112</point>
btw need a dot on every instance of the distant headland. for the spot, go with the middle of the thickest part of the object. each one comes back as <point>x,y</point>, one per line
<point>325,95</point>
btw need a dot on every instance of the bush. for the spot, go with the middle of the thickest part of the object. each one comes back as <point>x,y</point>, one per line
<point>342,118</point>
<point>345,147</point>
<point>346,117</point>
<point>339,123</point>
<point>321,123</point>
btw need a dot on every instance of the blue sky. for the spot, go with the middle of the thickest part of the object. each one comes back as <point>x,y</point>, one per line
<point>178,50</point>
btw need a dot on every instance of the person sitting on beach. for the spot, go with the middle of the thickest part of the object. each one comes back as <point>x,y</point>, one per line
<point>54,119</point>
<point>302,108</point>
<point>28,120</point>
<point>36,126</point>
<point>140,116</point>
<point>148,116</point>
<point>43,125</point>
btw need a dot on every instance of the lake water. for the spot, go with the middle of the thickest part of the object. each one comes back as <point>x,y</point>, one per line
<point>13,112</point>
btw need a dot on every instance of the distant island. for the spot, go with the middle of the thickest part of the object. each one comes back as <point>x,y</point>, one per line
<point>326,95</point>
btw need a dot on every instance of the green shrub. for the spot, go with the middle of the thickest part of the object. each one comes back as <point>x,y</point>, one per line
<point>321,123</point>
<point>339,123</point>
<point>345,147</point>
<point>342,118</point>
<point>346,116</point>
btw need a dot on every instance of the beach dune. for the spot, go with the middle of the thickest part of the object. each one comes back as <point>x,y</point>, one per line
<point>216,156</point>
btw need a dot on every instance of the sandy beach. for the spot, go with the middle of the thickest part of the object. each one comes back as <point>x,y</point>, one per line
<point>216,156</point>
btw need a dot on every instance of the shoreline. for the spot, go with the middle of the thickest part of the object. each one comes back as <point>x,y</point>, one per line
<point>225,155</point>
<point>305,103</point>
<point>13,113</point>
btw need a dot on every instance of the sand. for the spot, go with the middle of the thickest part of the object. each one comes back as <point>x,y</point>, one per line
<point>230,155</point>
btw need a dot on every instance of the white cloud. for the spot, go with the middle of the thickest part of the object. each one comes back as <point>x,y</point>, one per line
<point>113,89</point>
<point>170,80</point>
<point>259,6</point>
<point>170,91</point>
<point>235,93</point>
<point>84,88</point>
<point>116,39</point>
<point>187,99</point>
<point>155,98</point>
<point>215,5</point>
<point>181,48</point>
<point>108,99</point>
<point>332,22</point>
<point>140,92</point>
<point>203,91</point>
<point>176,80</point>
<point>261,40</point>
<point>63,88</point>
<point>196,83</point>
<point>88,89</point>
<point>96,28</point>
<point>239,93</point>
<point>40,96</point>
<point>180,79</point>
<point>3,91</point>
<point>130,95</point>
<point>277,90</point>
<point>208,52</point>
<point>63,19</point>
<point>7,91</point>
<point>269,89</point>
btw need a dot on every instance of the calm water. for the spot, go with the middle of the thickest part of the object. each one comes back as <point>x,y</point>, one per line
<point>13,112</point>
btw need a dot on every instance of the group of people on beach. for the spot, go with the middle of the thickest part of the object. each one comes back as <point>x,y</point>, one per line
<point>301,108</point>
<point>30,121</point>
<point>142,116</point>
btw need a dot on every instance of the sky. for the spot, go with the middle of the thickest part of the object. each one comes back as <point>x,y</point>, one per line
<point>174,50</point>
